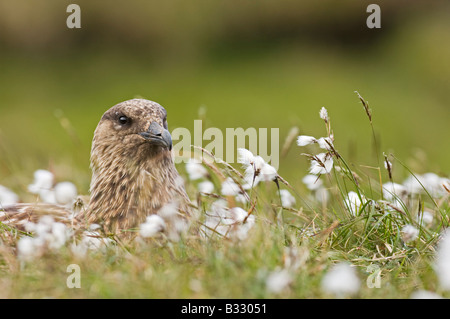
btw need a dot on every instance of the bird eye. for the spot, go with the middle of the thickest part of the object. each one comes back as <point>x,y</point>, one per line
<point>124,120</point>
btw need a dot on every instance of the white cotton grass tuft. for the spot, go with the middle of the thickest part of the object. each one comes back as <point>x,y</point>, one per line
<point>177,227</point>
<point>26,249</point>
<point>396,194</point>
<point>442,264</point>
<point>256,168</point>
<point>268,173</point>
<point>324,114</point>
<point>168,211</point>
<point>325,143</point>
<point>393,190</point>
<point>315,184</point>
<point>341,280</point>
<point>242,222</point>
<point>237,214</point>
<point>425,218</point>
<point>387,164</point>
<point>195,170</point>
<point>287,200</point>
<point>167,220</point>
<point>206,187</point>
<point>409,233</point>
<point>58,236</point>
<point>412,184</point>
<point>278,281</point>
<point>43,186</point>
<point>230,188</point>
<point>214,216</point>
<point>354,202</point>
<point>91,240</point>
<point>304,140</point>
<point>7,197</point>
<point>48,235</point>
<point>65,193</point>
<point>433,183</point>
<point>43,180</point>
<point>321,164</point>
<point>312,182</point>
<point>153,225</point>
<point>233,223</point>
<point>48,196</point>
<point>245,156</point>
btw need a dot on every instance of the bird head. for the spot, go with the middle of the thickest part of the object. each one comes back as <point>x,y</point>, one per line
<point>136,129</point>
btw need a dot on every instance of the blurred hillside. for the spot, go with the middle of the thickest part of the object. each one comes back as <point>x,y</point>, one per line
<point>156,27</point>
<point>252,64</point>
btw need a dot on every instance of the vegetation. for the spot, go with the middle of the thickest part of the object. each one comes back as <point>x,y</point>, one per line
<point>380,208</point>
<point>281,246</point>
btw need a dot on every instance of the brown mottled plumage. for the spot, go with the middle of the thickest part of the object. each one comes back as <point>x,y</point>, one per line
<point>133,174</point>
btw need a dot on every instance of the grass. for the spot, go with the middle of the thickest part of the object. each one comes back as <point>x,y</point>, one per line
<point>60,99</point>
<point>310,235</point>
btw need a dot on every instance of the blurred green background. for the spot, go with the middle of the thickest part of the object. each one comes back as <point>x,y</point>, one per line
<point>248,63</point>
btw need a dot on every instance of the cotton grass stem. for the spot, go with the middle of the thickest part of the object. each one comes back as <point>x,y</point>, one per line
<point>369,115</point>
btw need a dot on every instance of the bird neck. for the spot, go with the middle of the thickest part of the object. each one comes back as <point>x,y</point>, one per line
<point>124,192</point>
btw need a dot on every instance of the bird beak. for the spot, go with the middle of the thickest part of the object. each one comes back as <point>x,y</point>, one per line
<point>158,136</point>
